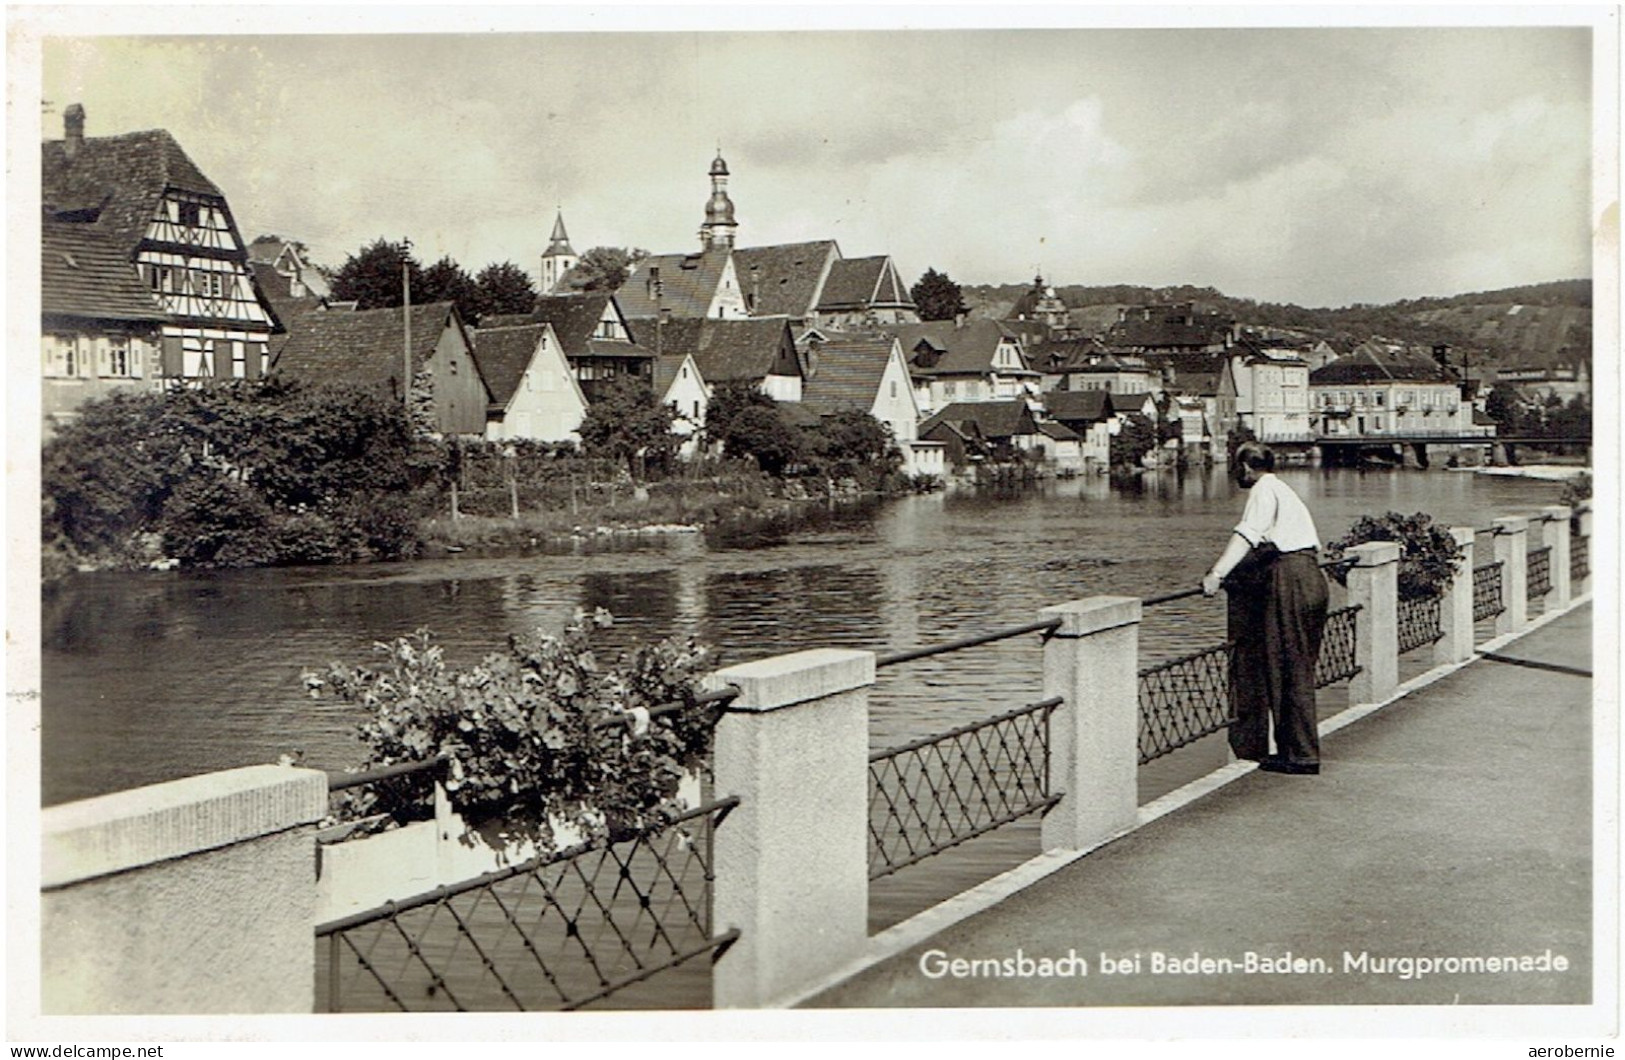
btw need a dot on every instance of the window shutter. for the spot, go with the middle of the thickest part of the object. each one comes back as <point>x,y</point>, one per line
<point>222,359</point>
<point>256,359</point>
<point>104,356</point>
<point>172,362</point>
<point>138,358</point>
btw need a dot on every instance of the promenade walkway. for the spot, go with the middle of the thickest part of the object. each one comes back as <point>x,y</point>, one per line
<point>1454,822</point>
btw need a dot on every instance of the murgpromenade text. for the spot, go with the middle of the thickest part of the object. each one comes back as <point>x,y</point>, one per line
<point>938,964</point>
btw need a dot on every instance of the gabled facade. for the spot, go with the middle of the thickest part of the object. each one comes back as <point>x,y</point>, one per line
<point>534,393</point>
<point>137,198</point>
<point>1086,364</point>
<point>760,352</point>
<point>993,425</point>
<point>596,338</point>
<point>864,293</point>
<point>684,286</point>
<point>965,360</point>
<point>870,375</point>
<point>679,383</point>
<point>1091,415</point>
<point>374,347</point>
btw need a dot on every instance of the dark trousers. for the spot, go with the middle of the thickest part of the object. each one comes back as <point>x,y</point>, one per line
<point>1276,623</point>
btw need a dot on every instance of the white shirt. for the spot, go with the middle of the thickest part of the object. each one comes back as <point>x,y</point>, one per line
<point>1275,514</point>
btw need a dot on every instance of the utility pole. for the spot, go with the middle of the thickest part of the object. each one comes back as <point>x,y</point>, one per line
<point>406,345</point>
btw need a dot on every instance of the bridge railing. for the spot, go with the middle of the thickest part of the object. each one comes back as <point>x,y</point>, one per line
<point>769,876</point>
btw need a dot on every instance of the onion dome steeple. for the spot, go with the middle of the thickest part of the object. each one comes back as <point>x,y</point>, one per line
<point>720,226</point>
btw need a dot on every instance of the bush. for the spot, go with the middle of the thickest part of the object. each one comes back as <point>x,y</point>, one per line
<point>521,730</point>
<point>1428,555</point>
<point>234,474</point>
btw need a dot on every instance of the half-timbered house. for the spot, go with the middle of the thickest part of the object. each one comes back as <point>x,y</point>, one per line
<point>139,200</point>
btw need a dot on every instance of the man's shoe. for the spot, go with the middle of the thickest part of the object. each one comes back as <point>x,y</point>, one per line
<point>1272,764</point>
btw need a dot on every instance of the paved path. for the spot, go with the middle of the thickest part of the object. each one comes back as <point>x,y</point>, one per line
<point>1454,822</point>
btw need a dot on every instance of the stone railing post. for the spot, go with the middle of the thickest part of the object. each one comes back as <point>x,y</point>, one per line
<point>792,860</point>
<point>1582,514</point>
<point>1555,534</point>
<point>1456,606</point>
<point>1373,583</point>
<point>1512,552</point>
<point>1092,662</point>
<point>193,896</point>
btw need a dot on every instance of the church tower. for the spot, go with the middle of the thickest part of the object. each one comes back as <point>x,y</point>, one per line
<point>558,258</point>
<point>719,227</point>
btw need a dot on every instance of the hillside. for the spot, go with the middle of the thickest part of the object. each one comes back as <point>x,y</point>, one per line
<point>1490,327</point>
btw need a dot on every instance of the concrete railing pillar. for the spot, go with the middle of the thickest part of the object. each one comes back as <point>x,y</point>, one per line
<point>1092,662</point>
<point>1583,523</point>
<point>1554,534</point>
<point>1373,583</point>
<point>1456,606</point>
<point>194,896</point>
<point>1512,552</point>
<point>792,861</point>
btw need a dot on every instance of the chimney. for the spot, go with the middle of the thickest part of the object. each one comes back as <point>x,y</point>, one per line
<point>1441,353</point>
<point>73,129</point>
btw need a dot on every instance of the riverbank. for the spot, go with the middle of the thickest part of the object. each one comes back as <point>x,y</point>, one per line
<point>1544,472</point>
<point>667,508</point>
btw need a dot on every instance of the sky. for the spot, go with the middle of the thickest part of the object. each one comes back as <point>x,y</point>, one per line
<point>1322,166</point>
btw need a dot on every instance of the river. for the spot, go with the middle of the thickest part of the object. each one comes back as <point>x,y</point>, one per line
<point>152,676</point>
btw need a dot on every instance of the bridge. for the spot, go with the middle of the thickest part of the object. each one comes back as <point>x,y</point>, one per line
<point>1451,822</point>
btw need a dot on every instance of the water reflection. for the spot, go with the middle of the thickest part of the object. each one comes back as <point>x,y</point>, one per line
<point>149,677</point>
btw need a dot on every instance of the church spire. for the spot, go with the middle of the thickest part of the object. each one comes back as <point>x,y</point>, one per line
<point>559,258</point>
<point>719,227</point>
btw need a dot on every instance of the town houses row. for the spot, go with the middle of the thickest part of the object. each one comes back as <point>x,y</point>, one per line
<point>147,282</point>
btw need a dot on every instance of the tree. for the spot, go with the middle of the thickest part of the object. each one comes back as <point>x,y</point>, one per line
<point>728,399</point>
<point>447,281</point>
<point>1136,437</point>
<point>372,277</point>
<point>503,288</point>
<point>762,434</point>
<point>1502,406</point>
<point>626,421</point>
<point>603,269</point>
<point>937,297</point>
<point>851,443</point>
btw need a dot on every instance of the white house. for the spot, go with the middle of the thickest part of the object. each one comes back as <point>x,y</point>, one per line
<point>871,376</point>
<point>534,393</point>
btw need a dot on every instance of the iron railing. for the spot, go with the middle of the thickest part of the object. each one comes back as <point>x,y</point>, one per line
<point>1420,622</point>
<point>1579,560</point>
<point>932,794</point>
<point>1540,572</point>
<point>555,932</point>
<point>1337,648</point>
<point>1487,601</point>
<point>1183,700</point>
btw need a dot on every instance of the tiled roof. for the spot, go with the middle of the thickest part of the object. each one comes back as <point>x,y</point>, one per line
<point>1169,327</point>
<point>360,346</point>
<point>688,283</point>
<point>784,279</point>
<point>968,349</point>
<point>507,320</point>
<point>861,282</point>
<point>503,354</point>
<point>1059,431</point>
<point>84,274</point>
<point>848,376</point>
<point>992,419</point>
<point>123,175</point>
<point>727,350</point>
<point>666,367</point>
<point>1079,406</point>
<point>1193,373</point>
<point>796,414</point>
<point>1374,363</point>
